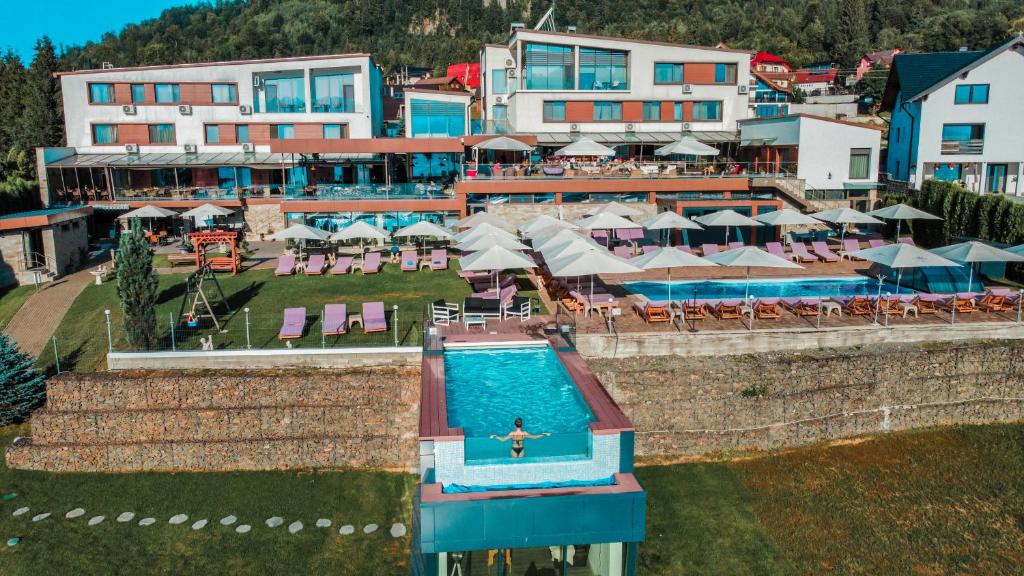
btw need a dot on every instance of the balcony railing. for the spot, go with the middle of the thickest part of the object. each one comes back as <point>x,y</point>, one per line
<point>625,170</point>
<point>333,192</point>
<point>394,191</point>
<point>963,146</point>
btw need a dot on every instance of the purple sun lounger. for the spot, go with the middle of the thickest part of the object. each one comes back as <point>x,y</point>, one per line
<point>623,252</point>
<point>373,317</point>
<point>907,240</point>
<point>850,245</point>
<point>342,265</point>
<point>315,265</point>
<point>735,245</point>
<point>876,243</point>
<point>800,252</point>
<point>776,249</point>
<point>409,260</point>
<point>371,263</point>
<point>822,251</point>
<point>294,323</point>
<point>335,320</point>
<point>439,259</point>
<point>708,249</point>
<point>285,265</point>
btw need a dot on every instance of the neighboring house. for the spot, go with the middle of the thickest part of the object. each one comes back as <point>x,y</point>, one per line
<point>436,113</point>
<point>768,98</point>
<point>467,72</point>
<point>40,245</point>
<point>815,81</point>
<point>442,83</point>
<point>768,62</point>
<point>874,60</point>
<point>958,116</point>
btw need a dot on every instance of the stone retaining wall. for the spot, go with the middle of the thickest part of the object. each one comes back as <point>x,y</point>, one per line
<point>697,405</point>
<point>131,421</point>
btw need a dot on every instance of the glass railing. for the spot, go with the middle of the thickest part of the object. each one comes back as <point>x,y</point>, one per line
<point>623,170</point>
<point>394,191</point>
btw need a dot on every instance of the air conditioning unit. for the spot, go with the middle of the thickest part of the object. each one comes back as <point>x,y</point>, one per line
<point>743,88</point>
<point>686,126</point>
<point>511,72</point>
<point>245,110</point>
<point>185,110</point>
<point>510,63</point>
<point>499,99</point>
<point>129,109</point>
<point>131,148</point>
<point>191,149</point>
<point>687,88</point>
<point>574,127</point>
<point>249,148</point>
<point>630,127</point>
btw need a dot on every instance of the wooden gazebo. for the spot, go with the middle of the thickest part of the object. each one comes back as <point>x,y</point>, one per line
<point>217,263</point>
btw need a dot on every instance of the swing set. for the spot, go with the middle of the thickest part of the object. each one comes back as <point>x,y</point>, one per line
<point>196,301</point>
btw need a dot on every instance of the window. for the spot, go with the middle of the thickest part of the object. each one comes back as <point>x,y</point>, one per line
<point>224,93</point>
<point>554,111</point>
<point>677,111</point>
<point>334,131</point>
<point>548,67</point>
<point>242,133</point>
<point>101,93</point>
<point>666,73</point>
<point>707,111</point>
<point>499,81</point>
<point>282,131</point>
<point>138,93</point>
<point>603,69</point>
<point>770,110</point>
<point>860,163</point>
<point>963,139</point>
<point>104,134</point>
<point>725,73</point>
<point>607,111</point>
<point>432,119</point>
<point>161,133</point>
<point>652,111</point>
<point>167,93</point>
<point>212,134</point>
<point>334,93</point>
<point>283,95</point>
<point>500,122</point>
<point>971,94</point>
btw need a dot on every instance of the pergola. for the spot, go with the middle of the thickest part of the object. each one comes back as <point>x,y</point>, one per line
<point>217,263</point>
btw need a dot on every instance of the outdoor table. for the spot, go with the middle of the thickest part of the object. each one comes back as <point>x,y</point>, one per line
<point>829,307</point>
<point>470,321</point>
<point>354,319</point>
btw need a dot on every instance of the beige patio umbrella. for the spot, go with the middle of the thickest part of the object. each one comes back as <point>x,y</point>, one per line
<point>590,263</point>
<point>615,208</point>
<point>667,259</point>
<point>750,257</point>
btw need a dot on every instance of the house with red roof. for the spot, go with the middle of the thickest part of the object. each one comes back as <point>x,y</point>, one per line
<point>768,62</point>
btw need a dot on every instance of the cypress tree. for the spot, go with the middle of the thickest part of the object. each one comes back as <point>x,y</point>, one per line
<point>22,388</point>
<point>43,116</point>
<point>136,287</point>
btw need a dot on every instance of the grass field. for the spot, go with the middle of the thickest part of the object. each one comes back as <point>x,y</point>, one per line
<point>11,299</point>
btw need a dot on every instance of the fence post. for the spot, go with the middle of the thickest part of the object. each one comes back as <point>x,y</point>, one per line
<point>394,322</point>
<point>323,337</point>
<point>750,325</point>
<point>174,343</point>
<point>952,307</point>
<point>887,302</point>
<point>56,356</point>
<point>818,326</point>
<point>110,334</point>
<point>248,343</point>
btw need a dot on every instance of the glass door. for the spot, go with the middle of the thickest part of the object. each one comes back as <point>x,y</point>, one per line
<point>996,181</point>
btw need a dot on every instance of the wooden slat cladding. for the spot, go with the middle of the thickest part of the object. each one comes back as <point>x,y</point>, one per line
<point>191,93</point>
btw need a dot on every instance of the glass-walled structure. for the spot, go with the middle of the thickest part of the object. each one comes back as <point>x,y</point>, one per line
<point>389,220</point>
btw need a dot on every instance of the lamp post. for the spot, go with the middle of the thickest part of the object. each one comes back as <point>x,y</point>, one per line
<point>110,334</point>
<point>248,342</point>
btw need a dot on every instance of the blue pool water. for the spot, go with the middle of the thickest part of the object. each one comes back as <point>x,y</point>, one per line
<point>488,388</point>
<point>766,288</point>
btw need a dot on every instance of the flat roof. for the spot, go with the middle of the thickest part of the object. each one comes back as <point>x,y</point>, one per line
<point>43,217</point>
<point>181,159</point>
<point>219,63</point>
<point>812,117</point>
<point>627,40</point>
<point>620,138</point>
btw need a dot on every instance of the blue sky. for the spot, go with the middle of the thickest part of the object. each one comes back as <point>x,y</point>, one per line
<point>72,21</point>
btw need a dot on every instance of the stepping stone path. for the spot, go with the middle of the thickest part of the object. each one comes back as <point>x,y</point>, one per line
<point>76,513</point>
<point>40,517</point>
<point>397,530</point>
<point>346,530</point>
<point>274,521</point>
<point>95,520</point>
<point>199,524</point>
<point>323,523</point>
<point>228,520</point>
<point>147,521</point>
<point>370,528</point>
<point>177,519</point>
<point>243,528</point>
<point>294,527</point>
<point>20,511</point>
<point>126,516</point>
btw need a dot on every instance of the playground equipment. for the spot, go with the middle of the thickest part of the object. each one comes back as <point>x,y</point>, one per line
<point>202,240</point>
<point>195,299</point>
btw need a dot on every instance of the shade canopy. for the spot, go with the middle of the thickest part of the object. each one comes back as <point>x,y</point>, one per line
<point>585,147</point>
<point>669,258</point>
<point>481,230</point>
<point>688,146</point>
<point>786,217</point>
<point>726,218</point>
<point>207,211</point>
<point>559,236</point>
<point>845,216</point>
<point>496,258</point>
<point>360,230</point>
<point>423,229</point>
<point>544,221</point>
<point>902,212</point>
<point>590,262</point>
<point>669,220</point>
<point>750,257</point>
<point>485,241</point>
<point>557,250</point>
<point>504,143</point>
<point>616,208</point>
<point>300,232</point>
<point>901,255</point>
<point>474,220</point>
<point>974,251</point>
<point>606,221</point>
<point>148,211</point>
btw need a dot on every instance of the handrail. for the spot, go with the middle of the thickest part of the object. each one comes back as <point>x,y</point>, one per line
<point>48,262</point>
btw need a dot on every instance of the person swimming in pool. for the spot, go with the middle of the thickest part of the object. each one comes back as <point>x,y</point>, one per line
<point>517,437</point>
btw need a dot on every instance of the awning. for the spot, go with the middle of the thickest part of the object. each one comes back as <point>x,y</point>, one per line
<point>860,185</point>
<point>179,159</point>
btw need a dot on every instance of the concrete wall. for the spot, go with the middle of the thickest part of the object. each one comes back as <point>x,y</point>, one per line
<point>67,244</point>
<point>519,213</point>
<point>689,406</point>
<point>341,358</point>
<point>825,152</point>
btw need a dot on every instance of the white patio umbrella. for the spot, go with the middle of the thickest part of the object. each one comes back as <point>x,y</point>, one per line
<point>556,250</point>
<point>300,232</point>
<point>616,208</point>
<point>484,241</point>
<point>474,220</point>
<point>585,147</point>
<point>974,251</point>
<point>901,212</point>
<point>726,219</point>
<point>481,230</point>
<point>206,213</point>
<point>669,258</point>
<point>899,256</point>
<point>606,221</point>
<point>148,212</point>
<point>669,220</point>
<point>844,216</point>
<point>544,221</point>
<point>494,259</point>
<point>689,146</point>
<point>589,263</point>
<point>360,230</point>
<point>750,257</point>
<point>540,243</point>
<point>1016,250</point>
<point>422,229</point>
<point>786,217</point>
<point>503,143</point>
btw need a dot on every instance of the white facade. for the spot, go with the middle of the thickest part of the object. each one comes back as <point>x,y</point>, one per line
<point>80,114</point>
<point>463,99</point>
<point>524,107</point>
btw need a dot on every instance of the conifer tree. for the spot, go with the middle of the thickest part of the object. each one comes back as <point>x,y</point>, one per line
<point>22,388</point>
<point>136,287</point>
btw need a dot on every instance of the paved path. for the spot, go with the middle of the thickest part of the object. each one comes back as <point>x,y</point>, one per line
<point>34,324</point>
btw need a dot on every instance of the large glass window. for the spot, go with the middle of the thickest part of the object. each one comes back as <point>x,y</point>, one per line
<point>334,131</point>
<point>224,93</point>
<point>668,73</point>
<point>725,73</point>
<point>554,111</point>
<point>771,110</point>
<point>860,163</point>
<point>242,133</point>
<point>138,93</point>
<point>603,69</point>
<point>212,134</point>
<point>607,111</point>
<point>161,133</point>
<point>101,93</point>
<point>971,94</point>
<point>167,93</point>
<point>963,132</point>
<point>548,67</point>
<point>432,119</point>
<point>707,111</point>
<point>499,81</point>
<point>285,94</point>
<point>230,177</point>
<point>334,93</point>
<point>282,131</point>
<point>104,134</point>
<point>652,111</point>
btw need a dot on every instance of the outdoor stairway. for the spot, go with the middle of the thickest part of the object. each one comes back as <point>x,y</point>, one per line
<point>793,190</point>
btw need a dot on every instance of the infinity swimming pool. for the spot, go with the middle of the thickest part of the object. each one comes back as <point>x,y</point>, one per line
<point>766,288</point>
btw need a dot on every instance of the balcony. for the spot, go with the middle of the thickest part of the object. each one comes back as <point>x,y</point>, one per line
<point>626,170</point>
<point>326,192</point>
<point>973,147</point>
<point>399,191</point>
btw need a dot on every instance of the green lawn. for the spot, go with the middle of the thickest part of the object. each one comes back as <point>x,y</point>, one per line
<point>939,501</point>
<point>60,546</point>
<point>11,299</point>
